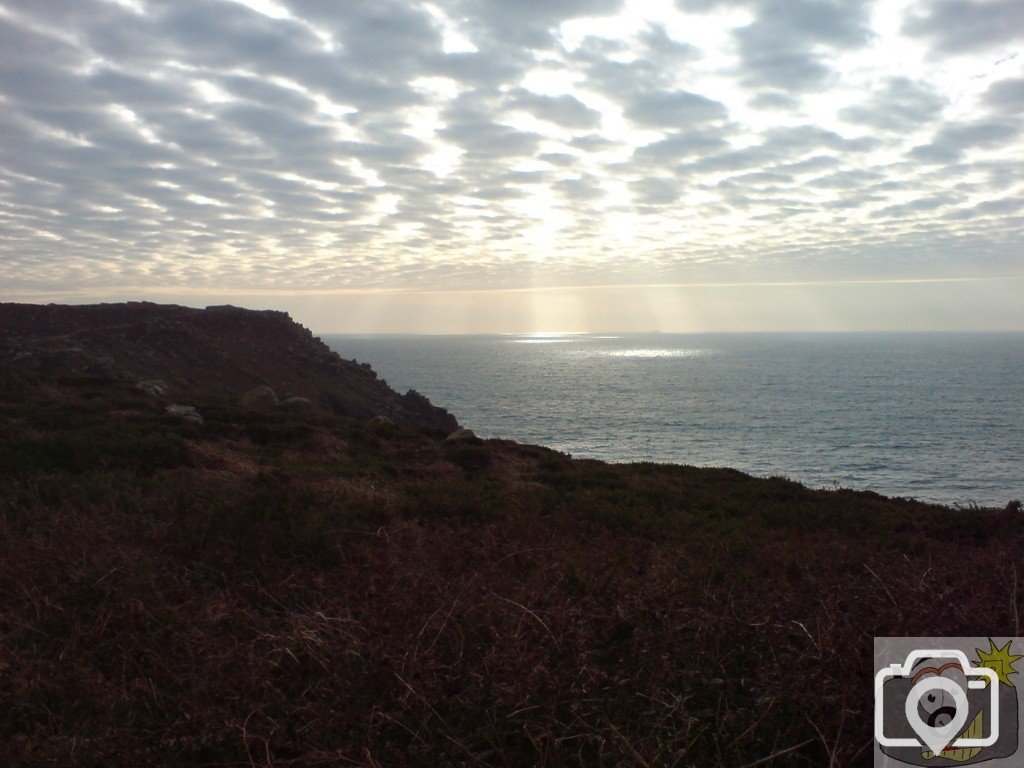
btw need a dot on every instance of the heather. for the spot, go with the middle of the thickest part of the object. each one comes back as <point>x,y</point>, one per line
<point>310,589</point>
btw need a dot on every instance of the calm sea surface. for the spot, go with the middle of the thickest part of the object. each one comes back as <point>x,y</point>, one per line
<point>938,417</point>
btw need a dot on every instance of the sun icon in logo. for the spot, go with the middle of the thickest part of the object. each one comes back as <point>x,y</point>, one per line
<point>999,660</point>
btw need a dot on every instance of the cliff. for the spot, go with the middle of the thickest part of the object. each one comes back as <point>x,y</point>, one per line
<point>216,353</point>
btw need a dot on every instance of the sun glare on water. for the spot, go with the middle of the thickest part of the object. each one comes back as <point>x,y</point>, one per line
<point>547,337</point>
<point>646,353</point>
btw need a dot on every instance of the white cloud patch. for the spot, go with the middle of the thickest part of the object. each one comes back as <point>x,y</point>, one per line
<point>387,144</point>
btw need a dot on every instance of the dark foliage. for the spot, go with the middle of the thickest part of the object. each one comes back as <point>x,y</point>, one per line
<point>276,590</point>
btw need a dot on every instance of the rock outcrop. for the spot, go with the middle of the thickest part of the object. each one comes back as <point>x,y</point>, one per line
<point>462,435</point>
<point>214,353</point>
<point>154,388</point>
<point>260,397</point>
<point>187,413</point>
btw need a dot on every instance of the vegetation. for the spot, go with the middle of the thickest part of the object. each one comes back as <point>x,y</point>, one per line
<point>274,589</point>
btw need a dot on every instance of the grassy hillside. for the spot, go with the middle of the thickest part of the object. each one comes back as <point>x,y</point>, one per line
<point>219,353</point>
<point>276,589</point>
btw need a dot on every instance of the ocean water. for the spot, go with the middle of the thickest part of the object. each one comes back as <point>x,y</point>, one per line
<point>938,417</point>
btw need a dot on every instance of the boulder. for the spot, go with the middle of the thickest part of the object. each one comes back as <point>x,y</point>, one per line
<point>296,404</point>
<point>153,387</point>
<point>186,413</point>
<point>462,435</point>
<point>259,397</point>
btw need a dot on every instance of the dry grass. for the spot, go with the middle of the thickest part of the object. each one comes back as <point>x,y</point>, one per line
<point>277,591</point>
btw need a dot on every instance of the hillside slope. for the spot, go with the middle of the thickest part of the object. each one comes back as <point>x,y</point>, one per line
<point>217,352</point>
<point>281,589</point>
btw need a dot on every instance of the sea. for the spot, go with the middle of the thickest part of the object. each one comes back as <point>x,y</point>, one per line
<point>933,416</point>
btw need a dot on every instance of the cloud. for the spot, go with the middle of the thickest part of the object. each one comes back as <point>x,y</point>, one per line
<point>565,110</point>
<point>585,188</point>
<point>527,23</point>
<point>1007,95</point>
<point>774,100</point>
<point>960,26</point>
<point>476,143</point>
<point>681,144</point>
<point>655,191</point>
<point>673,109</point>
<point>899,105</point>
<point>665,49</point>
<point>654,62</point>
<point>471,125</point>
<point>782,47</point>
<point>952,140</point>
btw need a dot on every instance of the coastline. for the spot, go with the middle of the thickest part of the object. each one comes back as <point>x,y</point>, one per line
<point>881,412</point>
<point>313,587</point>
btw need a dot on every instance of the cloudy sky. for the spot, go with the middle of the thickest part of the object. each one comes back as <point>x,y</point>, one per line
<point>510,165</point>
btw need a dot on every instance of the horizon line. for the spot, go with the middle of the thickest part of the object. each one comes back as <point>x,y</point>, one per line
<point>205,291</point>
<point>658,332</point>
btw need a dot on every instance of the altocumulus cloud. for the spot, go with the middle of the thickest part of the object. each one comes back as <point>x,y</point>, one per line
<point>385,144</point>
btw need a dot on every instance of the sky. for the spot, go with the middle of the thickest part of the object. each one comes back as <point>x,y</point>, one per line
<point>520,165</point>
